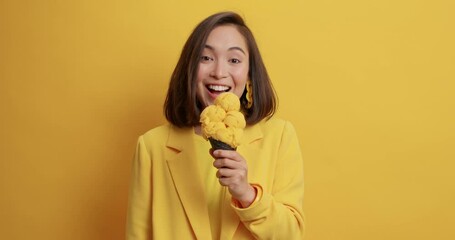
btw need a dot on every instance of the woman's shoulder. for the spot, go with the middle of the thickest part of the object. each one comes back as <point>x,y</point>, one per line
<point>276,124</point>
<point>156,134</point>
<point>161,134</point>
<point>271,128</point>
<point>158,130</point>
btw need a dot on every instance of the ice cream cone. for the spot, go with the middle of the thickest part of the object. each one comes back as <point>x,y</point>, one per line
<point>216,144</point>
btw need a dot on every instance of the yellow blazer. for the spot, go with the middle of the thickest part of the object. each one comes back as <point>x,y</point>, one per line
<point>166,199</point>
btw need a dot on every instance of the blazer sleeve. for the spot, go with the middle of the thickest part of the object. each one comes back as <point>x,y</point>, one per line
<point>279,215</point>
<point>138,224</point>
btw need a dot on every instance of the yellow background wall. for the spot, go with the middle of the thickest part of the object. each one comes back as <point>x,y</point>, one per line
<point>369,85</point>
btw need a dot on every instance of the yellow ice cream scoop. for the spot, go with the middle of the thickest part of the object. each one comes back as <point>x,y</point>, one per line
<point>213,113</point>
<point>234,119</point>
<point>228,101</point>
<point>223,123</point>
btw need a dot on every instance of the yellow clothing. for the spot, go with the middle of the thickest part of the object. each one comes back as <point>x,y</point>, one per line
<point>168,198</point>
<point>212,188</point>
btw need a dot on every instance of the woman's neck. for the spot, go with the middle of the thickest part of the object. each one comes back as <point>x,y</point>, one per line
<point>197,130</point>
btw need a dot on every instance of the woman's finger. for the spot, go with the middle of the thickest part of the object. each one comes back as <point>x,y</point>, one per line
<point>227,173</point>
<point>227,163</point>
<point>227,154</point>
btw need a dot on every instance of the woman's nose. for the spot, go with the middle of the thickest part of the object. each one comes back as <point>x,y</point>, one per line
<point>219,70</point>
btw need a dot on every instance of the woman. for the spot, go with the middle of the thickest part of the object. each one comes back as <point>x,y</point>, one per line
<point>180,189</point>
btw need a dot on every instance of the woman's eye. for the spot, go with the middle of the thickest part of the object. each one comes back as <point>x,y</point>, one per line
<point>205,58</point>
<point>235,60</point>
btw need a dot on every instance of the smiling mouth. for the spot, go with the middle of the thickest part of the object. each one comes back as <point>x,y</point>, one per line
<point>217,88</point>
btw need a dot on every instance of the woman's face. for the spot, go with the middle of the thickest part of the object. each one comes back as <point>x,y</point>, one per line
<point>223,66</point>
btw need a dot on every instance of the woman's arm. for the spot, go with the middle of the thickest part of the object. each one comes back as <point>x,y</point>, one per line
<point>279,215</point>
<point>138,225</point>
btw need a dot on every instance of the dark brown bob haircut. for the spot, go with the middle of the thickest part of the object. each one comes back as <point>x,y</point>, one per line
<point>182,108</point>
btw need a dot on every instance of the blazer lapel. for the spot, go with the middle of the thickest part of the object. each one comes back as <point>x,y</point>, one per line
<point>187,180</point>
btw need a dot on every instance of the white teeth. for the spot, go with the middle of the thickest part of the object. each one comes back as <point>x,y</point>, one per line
<point>218,88</point>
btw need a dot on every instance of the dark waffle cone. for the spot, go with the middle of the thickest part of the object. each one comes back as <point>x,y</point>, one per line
<point>216,144</point>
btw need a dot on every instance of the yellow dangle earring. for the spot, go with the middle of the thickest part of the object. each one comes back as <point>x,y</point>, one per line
<point>249,94</point>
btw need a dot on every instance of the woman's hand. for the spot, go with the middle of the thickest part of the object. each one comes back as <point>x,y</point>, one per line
<point>233,173</point>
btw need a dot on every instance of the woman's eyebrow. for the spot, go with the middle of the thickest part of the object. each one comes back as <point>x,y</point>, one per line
<point>237,48</point>
<point>229,49</point>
